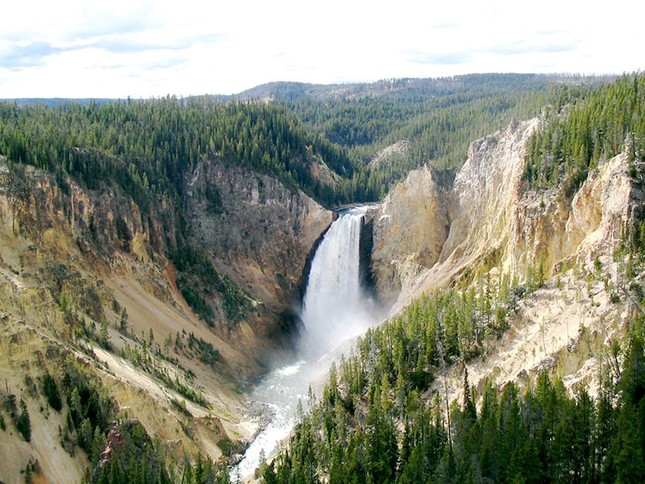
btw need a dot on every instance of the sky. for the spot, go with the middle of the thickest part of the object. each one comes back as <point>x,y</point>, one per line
<point>154,48</point>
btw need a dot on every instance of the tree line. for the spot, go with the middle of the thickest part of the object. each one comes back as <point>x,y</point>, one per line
<point>147,147</point>
<point>584,127</point>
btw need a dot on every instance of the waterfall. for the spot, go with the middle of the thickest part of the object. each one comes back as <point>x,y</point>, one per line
<point>335,307</point>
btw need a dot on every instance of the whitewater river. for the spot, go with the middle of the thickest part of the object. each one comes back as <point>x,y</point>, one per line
<point>280,392</point>
<point>335,310</point>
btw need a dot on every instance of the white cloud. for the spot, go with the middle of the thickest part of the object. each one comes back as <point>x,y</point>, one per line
<point>78,48</point>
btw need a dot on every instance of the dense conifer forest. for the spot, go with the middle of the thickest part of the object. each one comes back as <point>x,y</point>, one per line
<point>585,126</point>
<point>375,423</point>
<point>438,118</point>
<point>148,146</point>
<point>368,429</point>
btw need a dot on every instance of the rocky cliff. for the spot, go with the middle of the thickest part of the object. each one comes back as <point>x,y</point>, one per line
<point>410,230</point>
<point>427,235</point>
<point>490,225</point>
<point>257,231</point>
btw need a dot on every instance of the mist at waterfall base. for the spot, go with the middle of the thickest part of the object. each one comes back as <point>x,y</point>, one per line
<point>335,309</point>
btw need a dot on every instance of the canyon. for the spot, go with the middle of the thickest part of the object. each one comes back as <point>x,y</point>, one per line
<point>87,278</point>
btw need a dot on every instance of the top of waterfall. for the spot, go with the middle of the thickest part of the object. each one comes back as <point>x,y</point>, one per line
<point>356,208</point>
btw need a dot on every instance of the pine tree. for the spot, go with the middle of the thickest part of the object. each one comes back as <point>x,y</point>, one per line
<point>23,422</point>
<point>628,445</point>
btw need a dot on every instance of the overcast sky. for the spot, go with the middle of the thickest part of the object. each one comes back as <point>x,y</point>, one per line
<point>151,48</point>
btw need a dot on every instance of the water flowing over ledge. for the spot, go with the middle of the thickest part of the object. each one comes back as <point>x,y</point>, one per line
<point>335,309</point>
<point>335,306</point>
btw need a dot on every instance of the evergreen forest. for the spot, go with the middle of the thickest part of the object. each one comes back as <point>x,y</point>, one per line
<point>148,146</point>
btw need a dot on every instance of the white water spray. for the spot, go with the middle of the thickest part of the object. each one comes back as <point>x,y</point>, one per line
<point>334,309</point>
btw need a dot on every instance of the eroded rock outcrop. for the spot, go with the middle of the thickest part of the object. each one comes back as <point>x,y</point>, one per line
<point>494,220</point>
<point>255,229</point>
<point>500,227</point>
<point>410,229</point>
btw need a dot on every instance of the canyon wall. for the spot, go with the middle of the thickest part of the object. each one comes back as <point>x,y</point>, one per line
<point>491,225</point>
<point>87,281</point>
<point>260,233</point>
<point>428,236</point>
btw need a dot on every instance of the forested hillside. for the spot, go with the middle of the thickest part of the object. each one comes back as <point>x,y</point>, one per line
<point>373,424</point>
<point>584,127</point>
<point>147,147</point>
<point>437,118</point>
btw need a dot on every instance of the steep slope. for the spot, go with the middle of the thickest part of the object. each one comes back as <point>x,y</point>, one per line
<point>88,294</point>
<point>259,234</point>
<point>500,229</point>
<point>515,351</point>
<point>410,231</point>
